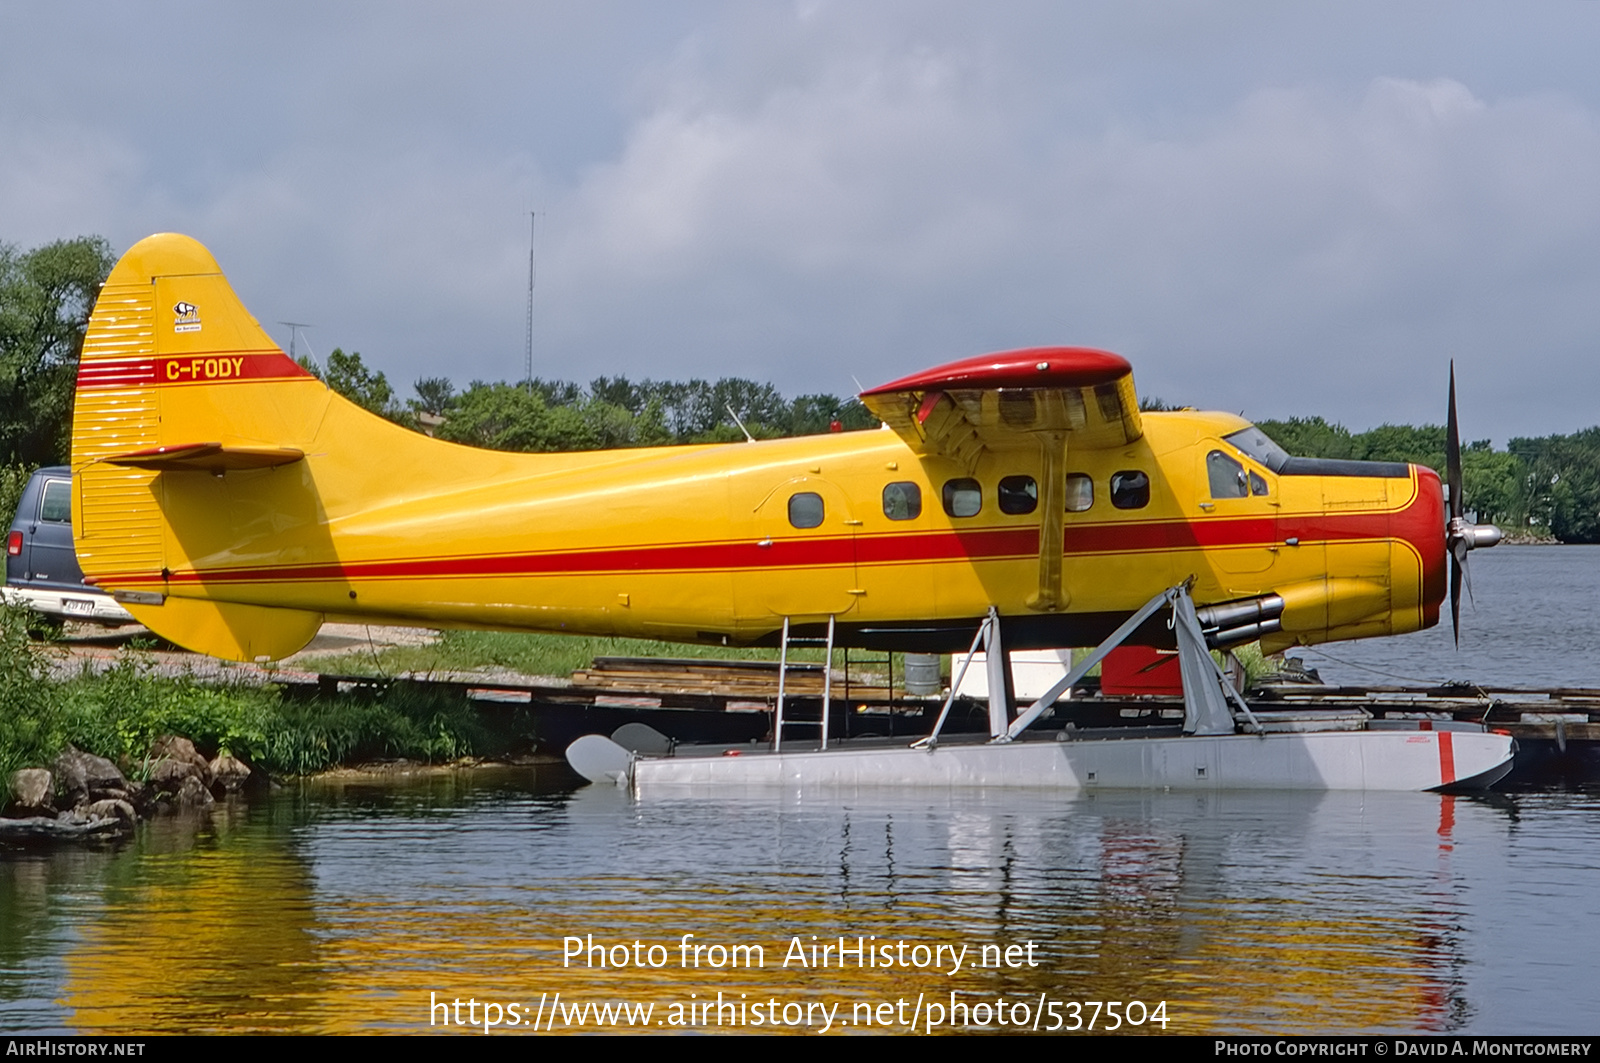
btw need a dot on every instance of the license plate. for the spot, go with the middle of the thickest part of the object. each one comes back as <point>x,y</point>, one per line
<point>78,605</point>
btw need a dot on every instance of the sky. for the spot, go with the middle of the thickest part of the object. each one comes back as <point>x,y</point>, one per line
<point>1280,209</point>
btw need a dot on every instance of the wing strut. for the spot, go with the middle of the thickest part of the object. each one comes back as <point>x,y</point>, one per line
<point>1052,524</point>
<point>1206,691</point>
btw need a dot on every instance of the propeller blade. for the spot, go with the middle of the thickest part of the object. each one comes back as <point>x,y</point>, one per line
<point>1452,451</point>
<point>1455,597</point>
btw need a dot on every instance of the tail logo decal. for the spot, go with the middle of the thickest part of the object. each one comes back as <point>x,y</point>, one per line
<point>186,317</point>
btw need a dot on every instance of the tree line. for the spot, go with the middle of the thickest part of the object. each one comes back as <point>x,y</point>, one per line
<point>608,412</point>
<point>1544,487</point>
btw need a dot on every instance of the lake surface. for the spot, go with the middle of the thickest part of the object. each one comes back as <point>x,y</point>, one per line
<point>357,906</point>
<point>1533,620</point>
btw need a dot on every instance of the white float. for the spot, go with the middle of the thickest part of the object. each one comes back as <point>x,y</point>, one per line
<point>1287,751</point>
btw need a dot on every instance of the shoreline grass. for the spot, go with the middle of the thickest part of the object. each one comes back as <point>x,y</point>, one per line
<point>119,713</point>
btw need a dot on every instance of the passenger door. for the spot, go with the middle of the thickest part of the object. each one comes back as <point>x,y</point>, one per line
<point>804,561</point>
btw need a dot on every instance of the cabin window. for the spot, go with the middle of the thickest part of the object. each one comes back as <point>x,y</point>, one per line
<point>805,509</point>
<point>962,498</point>
<point>1018,494</point>
<point>1258,486</point>
<point>1080,492</point>
<point>902,501</point>
<point>56,505</point>
<point>1226,476</point>
<point>1130,489</point>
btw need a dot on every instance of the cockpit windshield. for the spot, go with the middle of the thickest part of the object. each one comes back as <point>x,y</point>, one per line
<point>1254,442</point>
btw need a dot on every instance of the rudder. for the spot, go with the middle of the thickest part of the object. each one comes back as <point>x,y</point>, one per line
<point>177,379</point>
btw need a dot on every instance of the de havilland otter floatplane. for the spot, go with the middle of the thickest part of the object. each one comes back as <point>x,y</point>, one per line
<point>233,503</point>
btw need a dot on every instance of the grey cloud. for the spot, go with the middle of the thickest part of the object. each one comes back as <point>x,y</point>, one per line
<point>1291,209</point>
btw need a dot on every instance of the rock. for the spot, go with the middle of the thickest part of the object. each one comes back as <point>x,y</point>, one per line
<point>174,761</point>
<point>139,795</point>
<point>193,794</point>
<point>168,776</point>
<point>99,820</point>
<point>176,750</point>
<point>229,772</point>
<point>108,809</point>
<point>83,777</point>
<point>31,789</point>
<point>65,827</point>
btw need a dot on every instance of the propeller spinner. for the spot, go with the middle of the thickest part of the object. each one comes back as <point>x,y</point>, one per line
<point>1460,534</point>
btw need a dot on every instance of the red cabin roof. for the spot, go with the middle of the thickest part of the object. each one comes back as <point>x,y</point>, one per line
<point>1032,367</point>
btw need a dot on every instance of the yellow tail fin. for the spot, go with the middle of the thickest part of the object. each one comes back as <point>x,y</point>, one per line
<point>179,386</point>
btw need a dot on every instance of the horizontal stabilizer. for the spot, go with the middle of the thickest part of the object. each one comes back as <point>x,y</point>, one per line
<point>207,457</point>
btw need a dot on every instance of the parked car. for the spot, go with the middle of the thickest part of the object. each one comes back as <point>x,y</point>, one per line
<point>41,566</point>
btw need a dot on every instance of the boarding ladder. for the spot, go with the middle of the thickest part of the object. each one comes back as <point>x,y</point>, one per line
<point>778,722</point>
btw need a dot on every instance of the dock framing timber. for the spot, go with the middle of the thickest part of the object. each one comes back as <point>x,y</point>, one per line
<point>1557,729</point>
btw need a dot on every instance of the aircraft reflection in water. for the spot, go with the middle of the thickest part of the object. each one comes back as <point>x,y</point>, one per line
<point>233,502</point>
<point>342,911</point>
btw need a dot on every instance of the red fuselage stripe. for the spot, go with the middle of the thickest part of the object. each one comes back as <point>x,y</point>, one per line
<point>993,544</point>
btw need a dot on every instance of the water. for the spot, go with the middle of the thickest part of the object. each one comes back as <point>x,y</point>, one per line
<point>1531,621</point>
<point>354,906</point>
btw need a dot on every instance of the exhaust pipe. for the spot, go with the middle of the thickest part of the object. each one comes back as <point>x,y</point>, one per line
<point>1237,636</point>
<point>1233,623</point>
<point>1233,614</point>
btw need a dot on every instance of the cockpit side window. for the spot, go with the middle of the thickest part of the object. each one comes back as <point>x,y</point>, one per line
<point>1226,476</point>
<point>1254,442</point>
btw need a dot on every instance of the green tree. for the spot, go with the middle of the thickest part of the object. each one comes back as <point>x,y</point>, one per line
<point>1561,488</point>
<point>555,392</point>
<point>509,417</point>
<point>46,295</point>
<point>620,391</point>
<point>435,395</point>
<point>812,414</point>
<point>1492,485</point>
<point>349,376</point>
<point>1402,442</point>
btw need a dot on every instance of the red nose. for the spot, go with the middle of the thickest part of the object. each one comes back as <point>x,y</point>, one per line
<point>1422,524</point>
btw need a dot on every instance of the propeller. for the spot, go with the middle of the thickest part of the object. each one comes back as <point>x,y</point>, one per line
<point>1460,534</point>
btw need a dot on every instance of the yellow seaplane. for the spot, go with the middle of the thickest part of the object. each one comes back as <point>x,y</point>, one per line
<point>233,503</point>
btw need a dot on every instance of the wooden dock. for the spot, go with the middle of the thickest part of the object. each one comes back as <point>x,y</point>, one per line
<point>697,700</point>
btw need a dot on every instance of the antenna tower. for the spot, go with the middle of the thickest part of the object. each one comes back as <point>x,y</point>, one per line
<point>533,222</point>
<point>294,327</point>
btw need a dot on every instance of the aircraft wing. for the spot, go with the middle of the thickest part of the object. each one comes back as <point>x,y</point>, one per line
<point>1012,400</point>
<point>1043,398</point>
